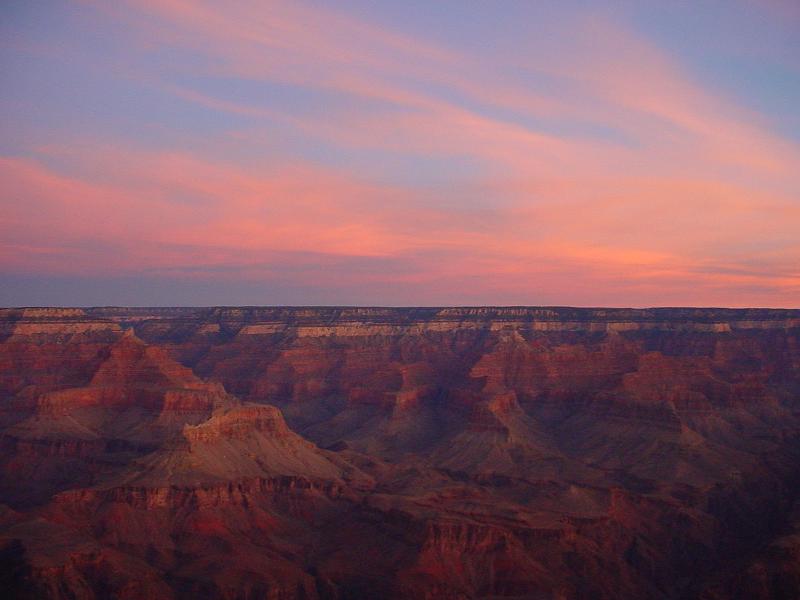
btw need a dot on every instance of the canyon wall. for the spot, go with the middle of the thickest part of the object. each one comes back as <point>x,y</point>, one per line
<point>490,452</point>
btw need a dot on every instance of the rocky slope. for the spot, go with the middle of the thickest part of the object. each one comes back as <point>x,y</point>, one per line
<point>399,453</point>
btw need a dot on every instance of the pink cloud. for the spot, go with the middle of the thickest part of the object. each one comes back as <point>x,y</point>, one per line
<point>683,191</point>
<point>262,220</point>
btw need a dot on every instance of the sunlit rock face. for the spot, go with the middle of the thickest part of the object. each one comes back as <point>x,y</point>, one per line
<point>456,453</point>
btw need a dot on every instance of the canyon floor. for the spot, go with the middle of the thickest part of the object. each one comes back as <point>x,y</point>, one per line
<point>425,453</point>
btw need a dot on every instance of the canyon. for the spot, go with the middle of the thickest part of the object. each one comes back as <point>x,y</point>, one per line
<point>434,453</point>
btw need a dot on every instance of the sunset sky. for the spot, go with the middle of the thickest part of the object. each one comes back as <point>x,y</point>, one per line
<point>400,153</point>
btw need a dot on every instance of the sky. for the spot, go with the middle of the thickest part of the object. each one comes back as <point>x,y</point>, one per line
<point>584,153</point>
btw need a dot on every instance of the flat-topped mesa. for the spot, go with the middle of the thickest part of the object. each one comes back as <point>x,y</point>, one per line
<point>238,423</point>
<point>243,442</point>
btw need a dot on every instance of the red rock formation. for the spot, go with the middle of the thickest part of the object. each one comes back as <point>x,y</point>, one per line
<point>426,453</point>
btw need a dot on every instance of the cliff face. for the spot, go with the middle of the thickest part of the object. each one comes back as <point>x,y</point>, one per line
<point>400,453</point>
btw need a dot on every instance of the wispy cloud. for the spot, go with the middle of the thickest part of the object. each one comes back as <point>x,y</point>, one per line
<point>596,169</point>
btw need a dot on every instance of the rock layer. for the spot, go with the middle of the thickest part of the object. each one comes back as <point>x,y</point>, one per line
<point>399,453</point>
